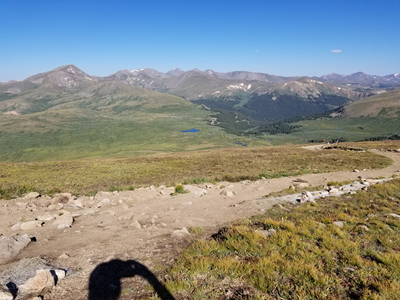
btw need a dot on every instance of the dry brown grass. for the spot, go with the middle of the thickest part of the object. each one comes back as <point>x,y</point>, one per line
<point>233,164</point>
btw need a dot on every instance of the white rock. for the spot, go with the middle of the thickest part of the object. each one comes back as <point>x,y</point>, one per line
<point>180,233</point>
<point>333,191</point>
<point>395,215</point>
<point>338,224</point>
<point>45,217</point>
<point>5,293</point>
<point>106,201</point>
<point>63,256</point>
<point>186,203</point>
<point>64,220</point>
<point>30,225</point>
<point>59,273</point>
<point>34,286</point>
<point>135,224</point>
<point>127,216</point>
<point>16,226</point>
<point>195,190</point>
<point>266,233</point>
<point>31,195</point>
<point>226,193</point>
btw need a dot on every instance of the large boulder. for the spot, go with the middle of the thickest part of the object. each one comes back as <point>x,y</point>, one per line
<point>10,246</point>
<point>42,282</point>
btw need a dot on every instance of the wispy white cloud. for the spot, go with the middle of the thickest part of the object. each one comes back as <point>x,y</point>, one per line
<point>336,51</point>
<point>255,50</point>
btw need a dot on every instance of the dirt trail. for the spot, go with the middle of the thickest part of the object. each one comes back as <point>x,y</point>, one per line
<point>109,233</point>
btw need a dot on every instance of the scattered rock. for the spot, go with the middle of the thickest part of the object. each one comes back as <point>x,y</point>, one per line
<point>135,224</point>
<point>5,293</point>
<point>32,195</point>
<point>363,227</point>
<point>43,281</point>
<point>266,233</point>
<point>333,191</point>
<point>186,203</point>
<point>45,217</point>
<point>125,217</point>
<point>64,220</point>
<point>30,225</point>
<point>339,224</point>
<point>302,184</point>
<point>395,215</point>
<point>195,190</point>
<point>356,171</point>
<point>16,226</point>
<point>180,233</point>
<point>226,193</point>
<point>63,256</point>
<point>10,246</point>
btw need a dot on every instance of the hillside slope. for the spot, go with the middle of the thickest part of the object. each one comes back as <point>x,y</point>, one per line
<point>386,105</point>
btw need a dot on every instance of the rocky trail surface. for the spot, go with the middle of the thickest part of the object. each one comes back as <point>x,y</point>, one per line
<point>76,238</point>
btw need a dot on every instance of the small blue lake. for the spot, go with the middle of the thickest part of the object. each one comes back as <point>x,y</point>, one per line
<point>191,130</point>
<point>241,144</point>
<point>340,129</point>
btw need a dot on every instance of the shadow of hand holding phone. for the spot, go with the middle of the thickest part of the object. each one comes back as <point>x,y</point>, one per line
<point>105,280</point>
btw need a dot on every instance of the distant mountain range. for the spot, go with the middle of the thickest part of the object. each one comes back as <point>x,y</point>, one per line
<point>258,96</point>
<point>67,114</point>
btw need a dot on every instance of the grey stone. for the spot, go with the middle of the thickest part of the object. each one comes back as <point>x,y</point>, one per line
<point>10,246</point>
<point>395,215</point>
<point>195,190</point>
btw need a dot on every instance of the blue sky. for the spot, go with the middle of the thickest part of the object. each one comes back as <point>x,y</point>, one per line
<point>285,38</point>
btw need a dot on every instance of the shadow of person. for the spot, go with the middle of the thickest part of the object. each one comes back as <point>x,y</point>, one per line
<point>105,280</point>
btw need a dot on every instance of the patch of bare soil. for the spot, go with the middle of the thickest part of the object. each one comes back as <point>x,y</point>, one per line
<point>121,242</point>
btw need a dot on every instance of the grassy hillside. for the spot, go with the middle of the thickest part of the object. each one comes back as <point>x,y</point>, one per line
<point>90,175</point>
<point>385,105</point>
<point>72,133</point>
<point>308,257</point>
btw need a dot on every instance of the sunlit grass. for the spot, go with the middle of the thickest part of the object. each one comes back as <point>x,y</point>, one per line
<point>309,257</point>
<point>234,164</point>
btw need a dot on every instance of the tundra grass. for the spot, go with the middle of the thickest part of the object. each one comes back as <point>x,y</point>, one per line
<point>73,134</point>
<point>308,256</point>
<point>347,129</point>
<point>232,164</point>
